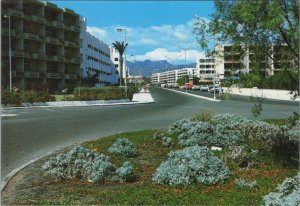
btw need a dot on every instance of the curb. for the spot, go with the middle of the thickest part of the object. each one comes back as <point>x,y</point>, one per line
<point>197,96</point>
<point>81,105</point>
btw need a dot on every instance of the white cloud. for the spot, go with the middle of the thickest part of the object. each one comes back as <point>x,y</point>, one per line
<point>153,42</point>
<point>171,56</point>
<point>97,32</point>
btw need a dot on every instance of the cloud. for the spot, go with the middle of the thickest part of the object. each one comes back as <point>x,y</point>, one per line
<point>153,42</point>
<point>97,32</point>
<point>170,56</point>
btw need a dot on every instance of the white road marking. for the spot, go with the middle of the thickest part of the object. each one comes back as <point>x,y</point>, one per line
<point>9,115</point>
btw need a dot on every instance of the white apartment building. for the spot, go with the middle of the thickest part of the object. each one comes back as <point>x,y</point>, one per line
<point>95,58</point>
<point>171,77</point>
<point>230,62</point>
<point>116,61</point>
<point>206,68</point>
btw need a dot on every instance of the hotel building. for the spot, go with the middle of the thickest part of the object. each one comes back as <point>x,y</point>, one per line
<point>44,42</point>
<point>95,56</point>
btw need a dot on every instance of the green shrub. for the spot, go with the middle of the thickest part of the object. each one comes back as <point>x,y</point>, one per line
<point>191,165</point>
<point>79,163</point>
<point>125,172</point>
<point>123,146</point>
<point>103,93</point>
<point>286,194</point>
<point>20,96</point>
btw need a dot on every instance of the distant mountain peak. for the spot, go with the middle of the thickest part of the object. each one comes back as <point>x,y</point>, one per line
<point>148,67</point>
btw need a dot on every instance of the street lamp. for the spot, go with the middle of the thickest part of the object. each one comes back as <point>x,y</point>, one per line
<point>9,52</point>
<point>133,57</point>
<point>214,38</point>
<point>120,30</point>
<point>185,49</point>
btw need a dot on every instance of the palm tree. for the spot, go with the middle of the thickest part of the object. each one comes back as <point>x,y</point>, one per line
<point>120,47</point>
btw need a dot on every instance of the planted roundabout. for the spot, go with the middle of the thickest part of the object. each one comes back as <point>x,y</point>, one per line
<point>209,159</point>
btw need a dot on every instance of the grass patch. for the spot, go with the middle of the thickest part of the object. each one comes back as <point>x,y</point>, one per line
<point>143,191</point>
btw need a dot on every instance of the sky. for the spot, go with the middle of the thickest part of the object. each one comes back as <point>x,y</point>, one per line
<point>153,28</point>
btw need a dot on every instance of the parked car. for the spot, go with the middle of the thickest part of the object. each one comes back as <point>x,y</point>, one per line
<point>188,86</point>
<point>195,87</point>
<point>217,90</point>
<point>204,88</point>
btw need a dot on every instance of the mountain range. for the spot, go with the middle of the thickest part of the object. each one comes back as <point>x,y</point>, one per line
<point>147,68</point>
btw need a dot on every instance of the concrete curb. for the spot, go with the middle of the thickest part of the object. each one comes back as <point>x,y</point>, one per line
<point>194,95</point>
<point>140,99</point>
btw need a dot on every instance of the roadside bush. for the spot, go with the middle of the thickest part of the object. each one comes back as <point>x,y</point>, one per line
<point>229,120</point>
<point>207,134</point>
<point>125,172</point>
<point>286,194</point>
<point>124,147</point>
<point>194,164</point>
<point>204,116</point>
<point>167,141</point>
<point>22,96</point>
<point>241,157</point>
<point>103,93</point>
<point>180,126</point>
<point>79,163</point>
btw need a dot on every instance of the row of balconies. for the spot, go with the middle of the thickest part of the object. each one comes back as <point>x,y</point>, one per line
<point>48,75</point>
<point>40,38</point>
<point>42,56</point>
<point>40,19</point>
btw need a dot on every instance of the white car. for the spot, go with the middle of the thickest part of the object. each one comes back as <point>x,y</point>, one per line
<point>195,87</point>
<point>216,90</point>
<point>204,88</point>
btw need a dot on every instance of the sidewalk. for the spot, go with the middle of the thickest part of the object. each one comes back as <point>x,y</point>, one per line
<point>194,95</point>
<point>138,98</point>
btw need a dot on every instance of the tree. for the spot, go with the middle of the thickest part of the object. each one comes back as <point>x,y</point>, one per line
<point>120,47</point>
<point>181,81</point>
<point>265,26</point>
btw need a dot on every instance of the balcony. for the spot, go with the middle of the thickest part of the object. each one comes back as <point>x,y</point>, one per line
<point>31,74</point>
<point>58,58</point>
<point>14,12</point>
<point>52,40</point>
<point>40,56</point>
<point>55,24</point>
<point>74,60</point>
<point>74,28</point>
<point>14,53</point>
<point>53,75</point>
<point>31,36</point>
<point>38,19</point>
<point>17,74</point>
<point>71,76</point>
<point>71,44</point>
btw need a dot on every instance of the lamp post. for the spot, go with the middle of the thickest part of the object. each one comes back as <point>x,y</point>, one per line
<point>185,49</point>
<point>120,30</point>
<point>214,38</point>
<point>133,57</point>
<point>9,52</point>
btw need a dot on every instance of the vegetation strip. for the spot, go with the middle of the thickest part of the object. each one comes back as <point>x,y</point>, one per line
<point>254,170</point>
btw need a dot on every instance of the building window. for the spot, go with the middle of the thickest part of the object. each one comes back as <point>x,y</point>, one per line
<point>116,59</point>
<point>116,65</point>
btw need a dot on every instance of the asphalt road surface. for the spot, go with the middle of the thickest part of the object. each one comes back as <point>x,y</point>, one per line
<point>34,132</point>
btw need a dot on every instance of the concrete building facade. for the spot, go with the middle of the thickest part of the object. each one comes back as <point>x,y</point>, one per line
<point>171,77</point>
<point>95,58</point>
<point>45,50</point>
<point>116,61</point>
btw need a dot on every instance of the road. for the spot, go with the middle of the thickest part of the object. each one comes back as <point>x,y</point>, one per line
<point>33,132</point>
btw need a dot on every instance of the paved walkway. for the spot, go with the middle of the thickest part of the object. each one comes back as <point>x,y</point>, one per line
<point>195,95</point>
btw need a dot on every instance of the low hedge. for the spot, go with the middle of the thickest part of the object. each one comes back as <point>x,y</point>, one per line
<point>20,96</point>
<point>103,93</point>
